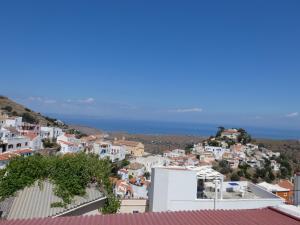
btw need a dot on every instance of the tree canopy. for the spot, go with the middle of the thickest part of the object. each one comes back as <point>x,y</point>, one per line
<point>70,174</point>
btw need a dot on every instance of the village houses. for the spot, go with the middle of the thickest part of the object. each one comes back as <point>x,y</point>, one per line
<point>133,148</point>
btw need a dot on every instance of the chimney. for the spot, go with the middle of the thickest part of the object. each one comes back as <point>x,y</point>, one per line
<point>297,189</point>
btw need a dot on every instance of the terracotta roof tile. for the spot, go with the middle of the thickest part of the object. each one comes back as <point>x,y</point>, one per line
<point>286,184</point>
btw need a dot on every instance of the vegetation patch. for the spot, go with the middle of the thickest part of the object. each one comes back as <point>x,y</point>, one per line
<point>70,173</point>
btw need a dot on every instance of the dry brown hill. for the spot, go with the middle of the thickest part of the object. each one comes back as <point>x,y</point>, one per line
<point>14,109</point>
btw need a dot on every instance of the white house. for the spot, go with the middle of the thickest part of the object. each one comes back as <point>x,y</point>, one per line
<point>202,188</point>
<point>135,169</point>
<point>51,132</point>
<point>11,140</point>
<point>68,147</point>
<point>198,148</point>
<point>230,133</point>
<point>217,151</point>
<point>35,141</point>
<point>29,128</point>
<point>69,143</point>
<point>106,149</point>
<point>150,162</point>
<point>13,122</point>
<point>275,166</point>
<point>123,173</point>
<point>174,153</point>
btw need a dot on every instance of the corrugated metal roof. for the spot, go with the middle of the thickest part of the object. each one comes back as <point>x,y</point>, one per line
<point>5,206</point>
<point>35,202</point>
<point>205,217</point>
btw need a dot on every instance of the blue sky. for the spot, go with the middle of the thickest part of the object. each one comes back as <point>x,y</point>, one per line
<point>232,62</point>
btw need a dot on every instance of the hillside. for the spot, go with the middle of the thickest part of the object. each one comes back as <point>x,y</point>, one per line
<point>288,147</point>
<point>14,109</point>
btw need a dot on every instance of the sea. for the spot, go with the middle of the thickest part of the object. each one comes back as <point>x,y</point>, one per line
<point>175,128</point>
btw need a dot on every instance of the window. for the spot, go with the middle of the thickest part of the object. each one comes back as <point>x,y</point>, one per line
<point>19,145</point>
<point>200,189</point>
<point>135,211</point>
<point>10,146</point>
<point>26,143</point>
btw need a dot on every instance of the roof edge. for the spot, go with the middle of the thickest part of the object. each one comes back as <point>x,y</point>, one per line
<point>284,213</point>
<point>79,207</point>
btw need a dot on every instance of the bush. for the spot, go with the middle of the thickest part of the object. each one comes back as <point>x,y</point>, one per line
<point>57,205</point>
<point>28,118</point>
<point>7,108</point>
<point>213,143</point>
<point>112,205</point>
<point>234,177</point>
<point>240,173</point>
<point>147,175</point>
<point>48,144</point>
<point>70,174</point>
<point>14,113</point>
<point>223,167</point>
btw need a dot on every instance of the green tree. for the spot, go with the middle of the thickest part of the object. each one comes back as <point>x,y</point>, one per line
<point>14,113</point>
<point>224,167</point>
<point>111,206</point>
<point>234,177</point>
<point>241,173</point>
<point>70,174</point>
<point>214,143</point>
<point>8,108</point>
<point>147,175</point>
<point>188,148</point>
<point>219,132</point>
<point>244,137</point>
<point>28,118</point>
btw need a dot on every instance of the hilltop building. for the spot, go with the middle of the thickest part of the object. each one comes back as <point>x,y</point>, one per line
<point>230,133</point>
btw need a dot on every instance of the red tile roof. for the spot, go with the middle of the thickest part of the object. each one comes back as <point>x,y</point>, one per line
<point>66,143</point>
<point>265,216</point>
<point>23,151</point>
<point>230,131</point>
<point>286,184</point>
<point>30,135</point>
<point>9,155</point>
<point>69,135</point>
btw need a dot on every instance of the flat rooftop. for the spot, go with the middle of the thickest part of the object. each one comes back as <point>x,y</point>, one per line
<point>236,190</point>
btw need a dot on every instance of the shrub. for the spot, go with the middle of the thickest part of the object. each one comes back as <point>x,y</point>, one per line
<point>7,108</point>
<point>70,174</point>
<point>112,205</point>
<point>235,177</point>
<point>28,118</point>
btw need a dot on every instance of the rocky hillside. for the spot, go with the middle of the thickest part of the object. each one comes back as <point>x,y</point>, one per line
<point>14,109</point>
